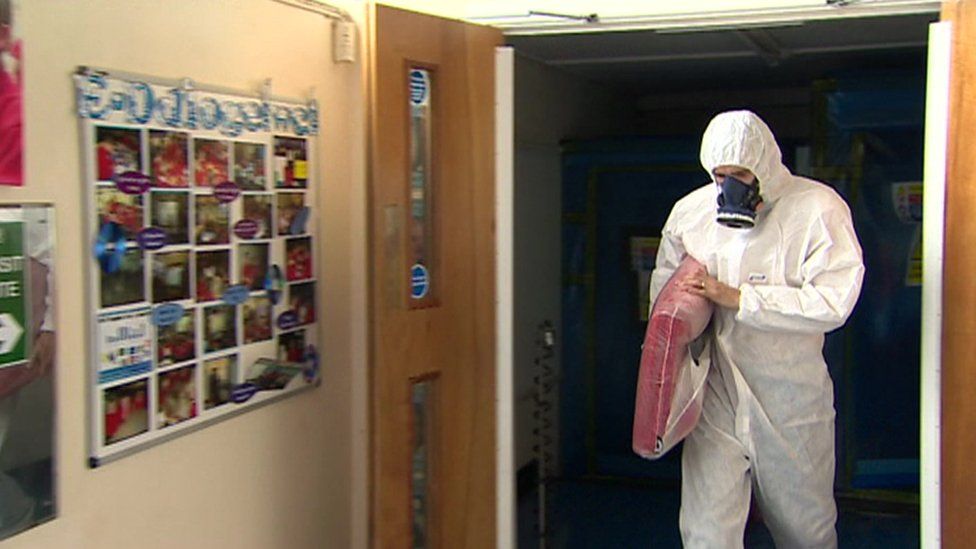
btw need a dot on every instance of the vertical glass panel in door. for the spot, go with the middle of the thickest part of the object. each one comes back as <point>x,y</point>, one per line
<point>420,224</point>
<point>423,416</point>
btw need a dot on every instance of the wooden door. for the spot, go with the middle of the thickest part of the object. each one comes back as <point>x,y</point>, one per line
<point>432,265</point>
<point>958,483</point>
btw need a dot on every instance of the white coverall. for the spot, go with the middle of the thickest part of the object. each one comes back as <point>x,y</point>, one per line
<point>768,418</point>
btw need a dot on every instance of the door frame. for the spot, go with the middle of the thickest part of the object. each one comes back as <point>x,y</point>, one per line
<point>935,173</point>
<point>506,502</point>
<point>934,205</point>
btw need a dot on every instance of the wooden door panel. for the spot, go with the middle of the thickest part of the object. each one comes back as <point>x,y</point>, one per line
<point>959,325</point>
<point>447,340</point>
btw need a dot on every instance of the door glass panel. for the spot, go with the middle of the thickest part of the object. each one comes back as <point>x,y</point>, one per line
<point>422,421</point>
<point>421,188</point>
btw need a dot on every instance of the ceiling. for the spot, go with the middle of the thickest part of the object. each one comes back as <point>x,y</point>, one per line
<point>793,54</point>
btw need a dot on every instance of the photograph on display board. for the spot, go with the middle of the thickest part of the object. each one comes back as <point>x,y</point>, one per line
<point>210,162</point>
<point>272,375</point>
<point>11,97</point>
<point>290,162</point>
<point>291,346</point>
<point>258,314</point>
<point>127,284</point>
<point>289,206</point>
<point>119,207</point>
<point>168,158</point>
<point>213,274</point>
<point>298,258</point>
<point>126,409</point>
<point>219,375</point>
<point>249,172</point>
<point>212,221</point>
<point>257,208</point>
<point>301,300</point>
<point>124,344</point>
<point>219,328</point>
<point>171,276</point>
<point>177,342</point>
<point>170,211</point>
<point>118,150</point>
<point>177,396</point>
<point>252,261</point>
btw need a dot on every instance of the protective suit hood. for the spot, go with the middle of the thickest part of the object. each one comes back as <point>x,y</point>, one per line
<point>740,138</point>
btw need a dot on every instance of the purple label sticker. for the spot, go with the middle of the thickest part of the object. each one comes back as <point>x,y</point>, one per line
<point>226,191</point>
<point>243,392</point>
<point>132,182</point>
<point>287,320</point>
<point>246,228</point>
<point>167,314</point>
<point>151,238</point>
<point>235,295</point>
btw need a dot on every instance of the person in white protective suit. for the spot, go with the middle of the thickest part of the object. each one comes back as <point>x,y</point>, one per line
<point>783,267</point>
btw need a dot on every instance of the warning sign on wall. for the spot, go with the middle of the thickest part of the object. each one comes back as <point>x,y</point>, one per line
<point>13,313</point>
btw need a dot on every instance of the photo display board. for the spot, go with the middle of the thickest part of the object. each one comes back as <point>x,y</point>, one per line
<point>202,275</point>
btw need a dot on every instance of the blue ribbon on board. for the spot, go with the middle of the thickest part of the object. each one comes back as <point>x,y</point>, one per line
<point>311,360</point>
<point>274,283</point>
<point>109,247</point>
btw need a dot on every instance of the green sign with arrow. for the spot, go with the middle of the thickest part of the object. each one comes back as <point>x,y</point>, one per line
<point>13,295</point>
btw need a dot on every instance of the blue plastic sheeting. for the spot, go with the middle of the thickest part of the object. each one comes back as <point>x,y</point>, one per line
<point>880,396</point>
<point>879,100</point>
<point>637,182</point>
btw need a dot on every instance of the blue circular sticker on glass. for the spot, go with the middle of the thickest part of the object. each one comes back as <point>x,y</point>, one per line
<point>151,238</point>
<point>243,392</point>
<point>287,320</point>
<point>419,281</point>
<point>236,294</point>
<point>167,314</point>
<point>132,182</point>
<point>419,86</point>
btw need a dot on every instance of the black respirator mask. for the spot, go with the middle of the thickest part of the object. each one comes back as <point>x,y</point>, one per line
<point>737,203</point>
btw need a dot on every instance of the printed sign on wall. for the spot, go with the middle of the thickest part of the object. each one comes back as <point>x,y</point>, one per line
<point>27,360</point>
<point>14,347</point>
<point>203,277</point>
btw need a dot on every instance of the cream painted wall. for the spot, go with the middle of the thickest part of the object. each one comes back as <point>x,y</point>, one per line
<point>280,476</point>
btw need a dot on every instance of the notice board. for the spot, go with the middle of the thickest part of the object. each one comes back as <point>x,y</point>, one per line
<point>202,276</point>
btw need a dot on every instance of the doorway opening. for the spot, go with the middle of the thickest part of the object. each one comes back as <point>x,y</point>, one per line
<point>607,134</point>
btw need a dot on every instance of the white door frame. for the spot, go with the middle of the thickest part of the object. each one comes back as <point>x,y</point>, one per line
<point>936,137</point>
<point>505,505</point>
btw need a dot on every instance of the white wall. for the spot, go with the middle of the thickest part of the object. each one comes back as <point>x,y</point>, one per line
<point>550,105</point>
<point>280,476</point>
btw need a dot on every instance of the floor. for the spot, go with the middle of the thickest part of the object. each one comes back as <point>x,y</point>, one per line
<point>621,515</point>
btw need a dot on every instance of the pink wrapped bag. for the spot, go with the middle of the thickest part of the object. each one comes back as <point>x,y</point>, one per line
<point>670,385</point>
